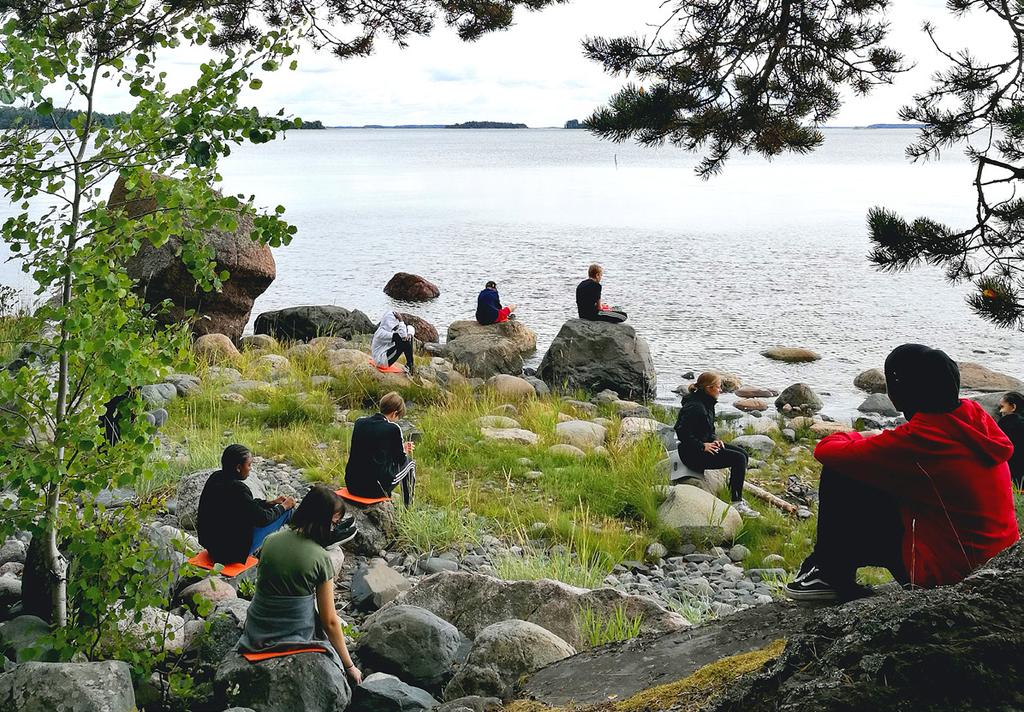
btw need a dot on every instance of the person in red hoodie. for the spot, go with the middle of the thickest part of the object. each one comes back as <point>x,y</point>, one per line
<point>930,500</point>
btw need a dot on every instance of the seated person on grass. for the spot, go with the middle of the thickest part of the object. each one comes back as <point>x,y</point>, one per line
<point>379,459</point>
<point>293,607</point>
<point>392,339</point>
<point>232,523</point>
<point>588,299</point>
<point>1011,422</point>
<point>929,500</point>
<point>489,309</point>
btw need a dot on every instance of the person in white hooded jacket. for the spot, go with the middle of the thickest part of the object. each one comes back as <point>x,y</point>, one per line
<point>392,339</point>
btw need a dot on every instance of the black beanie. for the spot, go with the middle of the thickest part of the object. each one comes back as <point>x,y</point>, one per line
<point>920,379</point>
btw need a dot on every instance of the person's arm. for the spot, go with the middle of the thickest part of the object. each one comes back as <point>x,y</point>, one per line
<point>332,627</point>
<point>396,446</point>
<point>402,328</point>
<point>687,424</point>
<point>884,461</point>
<point>259,512</point>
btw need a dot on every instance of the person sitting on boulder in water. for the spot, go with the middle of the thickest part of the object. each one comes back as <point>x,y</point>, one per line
<point>293,606</point>
<point>1011,422</point>
<point>588,299</point>
<point>379,459</point>
<point>489,309</point>
<point>930,500</point>
<point>392,339</point>
<point>232,524</point>
<point>700,449</point>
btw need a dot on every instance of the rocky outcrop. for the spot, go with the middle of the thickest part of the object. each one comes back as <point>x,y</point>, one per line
<point>501,654</point>
<point>160,273</point>
<point>698,516</point>
<point>484,351</point>
<point>407,287</point>
<point>594,356</point>
<point>59,687</point>
<point>975,377</point>
<point>412,643</point>
<point>311,682</point>
<point>471,602</point>
<point>309,322</point>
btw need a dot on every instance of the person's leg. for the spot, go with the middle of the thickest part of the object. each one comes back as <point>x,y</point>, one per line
<point>407,471</point>
<point>615,317</point>
<point>503,314</point>
<point>737,458</point>
<point>260,534</point>
<point>407,351</point>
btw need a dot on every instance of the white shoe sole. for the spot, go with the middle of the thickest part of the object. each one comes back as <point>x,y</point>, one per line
<point>829,595</point>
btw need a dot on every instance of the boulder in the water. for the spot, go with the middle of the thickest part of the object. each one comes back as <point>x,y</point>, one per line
<point>594,356</point>
<point>975,377</point>
<point>799,397</point>
<point>790,354</point>
<point>878,403</point>
<point>407,287</point>
<point>872,381</point>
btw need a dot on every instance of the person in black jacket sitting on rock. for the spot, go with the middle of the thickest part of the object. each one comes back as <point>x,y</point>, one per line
<point>379,458</point>
<point>232,523</point>
<point>588,299</point>
<point>700,450</point>
<point>489,309</point>
<point>1011,421</point>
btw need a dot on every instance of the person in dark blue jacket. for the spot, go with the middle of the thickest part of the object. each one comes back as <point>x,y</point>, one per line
<point>488,306</point>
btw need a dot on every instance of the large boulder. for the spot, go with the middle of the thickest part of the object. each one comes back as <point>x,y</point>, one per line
<point>308,322</point>
<point>927,650</point>
<point>511,387</point>
<point>581,433</point>
<point>425,331</point>
<point>878,403</point>
<point>872,381</point>
<point>501,654</point>
<point>311,682</point>
<point>790,354</point>
<point>595,355</point>
<point>412,643</point>
<point>799,397</point>
<point>21,634</point>
<point>190,488</point>
<point>68,687</point>
<point>381,692</point>
<point>406,287</point>
<point>698,516</point>
<point>160,273</point>
<point>484,351</point>
<point>471,602</point>
<point>975,377</point>
<point>377,528</point>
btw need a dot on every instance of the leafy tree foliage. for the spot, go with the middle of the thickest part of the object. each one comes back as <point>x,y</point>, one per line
<point>761,75</point>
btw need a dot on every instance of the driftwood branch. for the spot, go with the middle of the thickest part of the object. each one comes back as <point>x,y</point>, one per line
<point>770,498</point>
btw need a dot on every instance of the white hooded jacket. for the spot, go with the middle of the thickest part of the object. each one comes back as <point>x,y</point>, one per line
<point>384,337</point>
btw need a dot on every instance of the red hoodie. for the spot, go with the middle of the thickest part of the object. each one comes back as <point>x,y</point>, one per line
<point>949,473</point>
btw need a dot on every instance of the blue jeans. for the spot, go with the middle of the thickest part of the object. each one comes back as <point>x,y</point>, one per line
<point>259,534</point>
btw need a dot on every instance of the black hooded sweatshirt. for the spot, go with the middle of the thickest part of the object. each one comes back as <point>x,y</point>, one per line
<point>695,424</point>
<point>228,514</point>
<point>1013,425</point>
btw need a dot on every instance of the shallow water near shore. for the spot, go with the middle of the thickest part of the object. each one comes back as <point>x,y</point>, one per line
<point>711,272</point>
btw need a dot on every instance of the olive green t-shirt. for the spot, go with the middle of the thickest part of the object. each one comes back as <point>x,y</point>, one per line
<point>292,565</point>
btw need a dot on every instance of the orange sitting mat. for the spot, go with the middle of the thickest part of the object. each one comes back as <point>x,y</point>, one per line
<point>203,561</point>
<point>394,368</point>
<point>345,494</point>
<point>256,657</point>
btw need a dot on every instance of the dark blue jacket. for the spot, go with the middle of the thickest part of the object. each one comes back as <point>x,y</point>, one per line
<point>488,304</point>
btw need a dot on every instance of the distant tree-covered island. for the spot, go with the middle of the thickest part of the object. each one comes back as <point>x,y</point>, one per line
<point>574,124</point>
<point>21,117</point>
<point>486,125</point>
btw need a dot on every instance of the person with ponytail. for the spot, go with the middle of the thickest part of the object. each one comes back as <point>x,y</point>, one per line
<point>929,500</point>
<point>1011,421</point>
<point>700,449</point>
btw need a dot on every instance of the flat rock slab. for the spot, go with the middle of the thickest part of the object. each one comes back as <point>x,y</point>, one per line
<point>621,670</point>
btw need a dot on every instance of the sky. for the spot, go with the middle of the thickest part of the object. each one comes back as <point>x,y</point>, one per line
<point>535,72</point>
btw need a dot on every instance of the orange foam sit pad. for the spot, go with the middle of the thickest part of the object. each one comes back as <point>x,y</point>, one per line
<point>203,561</point>
<point>345,494</point>
<point>256,657</point>
<point>394,368</point>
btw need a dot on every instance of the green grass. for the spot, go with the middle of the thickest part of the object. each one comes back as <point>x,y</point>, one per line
<point>424,528</point>
<point>598,628</point>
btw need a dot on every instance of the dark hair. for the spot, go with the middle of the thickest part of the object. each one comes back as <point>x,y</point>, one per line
<point>1016,399</point>
<point>491,285</point>
<point>233,457</point>
<point>920,379</point>
<point>313,516</point>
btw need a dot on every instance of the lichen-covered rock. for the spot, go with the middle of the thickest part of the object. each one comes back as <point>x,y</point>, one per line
<point>698,516</point>
<point>68,687</point>
<point>594,356</point>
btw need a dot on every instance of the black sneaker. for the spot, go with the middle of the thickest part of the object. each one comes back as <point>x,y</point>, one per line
<point>810,586</point>
<point>343,533</point>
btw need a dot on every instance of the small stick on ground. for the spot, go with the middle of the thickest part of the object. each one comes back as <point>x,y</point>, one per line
<point>770,498</point>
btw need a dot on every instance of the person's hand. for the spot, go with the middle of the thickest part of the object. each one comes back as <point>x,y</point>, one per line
<point>720,444</point>
<point>409,447</point>
<point>353,672</point>
<point>288,502</point>
<point>603,307</point>
<point>711,448</point>
<point>511,308</point>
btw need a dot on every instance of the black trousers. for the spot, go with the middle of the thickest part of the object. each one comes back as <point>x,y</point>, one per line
<point>732,456</point>
<point>400,347</point>
<point>858,526</point>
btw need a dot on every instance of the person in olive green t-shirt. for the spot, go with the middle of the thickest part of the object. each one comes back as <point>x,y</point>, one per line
<point>295,565</point>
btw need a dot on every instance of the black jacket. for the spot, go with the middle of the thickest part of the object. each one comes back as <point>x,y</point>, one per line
<point>377,454</point>
<point>588,298</point>
<point>1013,426</point>
<point>228,514</point>
<point>695,425</point>
<point>488,306</point>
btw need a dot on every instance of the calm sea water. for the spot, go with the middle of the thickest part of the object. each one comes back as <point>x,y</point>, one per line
<point>711,272</point>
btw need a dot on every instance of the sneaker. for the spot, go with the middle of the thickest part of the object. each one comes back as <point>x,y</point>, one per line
<point>745,510</point>
<point>343,533</point>
<point>810,586</point>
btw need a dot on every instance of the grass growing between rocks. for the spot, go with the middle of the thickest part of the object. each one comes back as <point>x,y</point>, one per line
<point>597,628</point>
